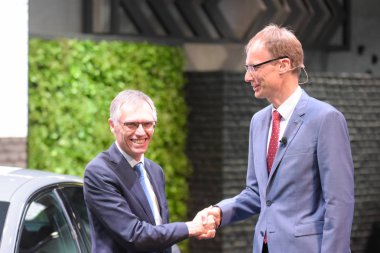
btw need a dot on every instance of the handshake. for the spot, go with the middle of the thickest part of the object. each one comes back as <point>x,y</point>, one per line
<point>205,223</point>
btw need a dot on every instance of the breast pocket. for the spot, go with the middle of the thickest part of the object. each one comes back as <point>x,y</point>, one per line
<point>301,148</point>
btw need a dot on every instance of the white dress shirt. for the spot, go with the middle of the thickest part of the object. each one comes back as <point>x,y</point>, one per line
<point>286,110</point>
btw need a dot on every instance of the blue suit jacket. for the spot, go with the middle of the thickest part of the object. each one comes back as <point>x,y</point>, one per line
<point>119,212</point>
<point>306,204</point>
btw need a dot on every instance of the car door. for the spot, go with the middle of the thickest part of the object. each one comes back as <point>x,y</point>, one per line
<point>47,227</point>
<point>75,205</point>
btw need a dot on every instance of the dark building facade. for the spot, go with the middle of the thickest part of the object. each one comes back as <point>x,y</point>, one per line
<point>221,106</point>
<point>340,36</point>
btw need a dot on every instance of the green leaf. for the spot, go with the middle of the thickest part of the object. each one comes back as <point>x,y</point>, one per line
<point>72,83</point>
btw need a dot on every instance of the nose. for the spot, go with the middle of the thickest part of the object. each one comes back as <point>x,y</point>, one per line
<point>248,77</point>
<point>140,130</point>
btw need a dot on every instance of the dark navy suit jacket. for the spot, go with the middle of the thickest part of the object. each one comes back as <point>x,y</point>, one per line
<point>119,213</point>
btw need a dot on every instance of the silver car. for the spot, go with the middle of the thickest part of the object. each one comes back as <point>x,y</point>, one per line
<point>42,212</point>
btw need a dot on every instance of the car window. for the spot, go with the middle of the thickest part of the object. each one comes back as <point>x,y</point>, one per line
<point>3,214</point>
<point>45,228</point>
<point>75,199</point>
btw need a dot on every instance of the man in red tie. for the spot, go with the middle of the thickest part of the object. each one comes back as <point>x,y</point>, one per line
<point>300,177</point>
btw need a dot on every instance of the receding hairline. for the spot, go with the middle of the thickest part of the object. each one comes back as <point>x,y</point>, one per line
<point>279,41</point>
<point>130,97</point>
<point>270,33</point>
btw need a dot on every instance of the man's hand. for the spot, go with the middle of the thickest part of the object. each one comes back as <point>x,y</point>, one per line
<point>214,213</point>
<point>202,226</point>
<point>210,219</point>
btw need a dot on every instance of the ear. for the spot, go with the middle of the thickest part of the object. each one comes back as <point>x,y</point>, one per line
<point>112,125</point>
<point>284,65</point>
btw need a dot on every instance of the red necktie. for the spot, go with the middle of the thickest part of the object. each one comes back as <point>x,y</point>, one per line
<point>273,143</point>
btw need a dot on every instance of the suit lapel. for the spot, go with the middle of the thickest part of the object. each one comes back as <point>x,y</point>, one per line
<point>262,139</point>
<point>291,130</point>
<point>126,173</point>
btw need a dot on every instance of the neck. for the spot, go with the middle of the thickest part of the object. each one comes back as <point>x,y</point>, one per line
<point>286,90</point>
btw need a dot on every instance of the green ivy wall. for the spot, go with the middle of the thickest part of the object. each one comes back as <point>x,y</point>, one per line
<point>71,85</point>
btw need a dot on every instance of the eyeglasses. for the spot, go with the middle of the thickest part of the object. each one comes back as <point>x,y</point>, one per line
<point>252,68</point>
<point>132,126</point>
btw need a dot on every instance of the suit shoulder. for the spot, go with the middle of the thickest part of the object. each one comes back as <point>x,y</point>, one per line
<point>152,164</point>
<point>322,108</point>
<point>154,167</point>
<point>99,163</point>
<point>260,114</point>
<point>98,159</point>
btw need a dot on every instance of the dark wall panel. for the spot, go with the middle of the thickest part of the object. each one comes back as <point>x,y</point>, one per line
<point>221,106</point>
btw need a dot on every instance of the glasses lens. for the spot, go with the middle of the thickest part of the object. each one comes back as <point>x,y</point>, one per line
<point>132,126</point>
<point>249,68</point>
<point>148,125</point>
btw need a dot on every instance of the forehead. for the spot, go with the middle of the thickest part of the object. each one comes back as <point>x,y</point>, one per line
<point>257,52</point>
<point>140,110</point>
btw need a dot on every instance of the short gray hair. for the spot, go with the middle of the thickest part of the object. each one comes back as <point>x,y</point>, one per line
<point>129,97</point>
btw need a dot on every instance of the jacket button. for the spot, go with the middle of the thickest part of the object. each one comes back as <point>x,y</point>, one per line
<point>269,203</point>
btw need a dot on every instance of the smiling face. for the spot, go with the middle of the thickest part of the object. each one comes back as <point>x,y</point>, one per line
<point>279,56</point>
<point>134,142</point>
<point>263,80</point>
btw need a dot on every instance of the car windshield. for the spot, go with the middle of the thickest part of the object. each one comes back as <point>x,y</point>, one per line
<point>3,213</point>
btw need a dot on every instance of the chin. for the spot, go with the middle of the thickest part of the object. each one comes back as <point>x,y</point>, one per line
<point>139,150</point>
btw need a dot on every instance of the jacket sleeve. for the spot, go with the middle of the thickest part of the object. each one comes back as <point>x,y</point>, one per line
<point>337,180</point>
<point>108,204</point>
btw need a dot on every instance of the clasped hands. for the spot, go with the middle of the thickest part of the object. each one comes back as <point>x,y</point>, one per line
<point>204,224</point>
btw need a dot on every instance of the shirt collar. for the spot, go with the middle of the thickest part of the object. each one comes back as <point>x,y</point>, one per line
<point>129,158</point>
<point>286,109</point>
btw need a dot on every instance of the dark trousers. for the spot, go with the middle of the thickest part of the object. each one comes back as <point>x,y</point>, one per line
<point>265,248</point>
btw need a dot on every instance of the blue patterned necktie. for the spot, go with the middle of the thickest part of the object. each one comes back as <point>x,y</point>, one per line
<point>140,172</point>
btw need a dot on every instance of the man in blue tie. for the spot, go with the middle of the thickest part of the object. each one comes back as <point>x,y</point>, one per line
<point>300,177</point>
<point>125,192</point>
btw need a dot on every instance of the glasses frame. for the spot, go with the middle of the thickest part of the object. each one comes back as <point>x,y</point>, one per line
<point>252,67</point>
<point>133,126</point>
